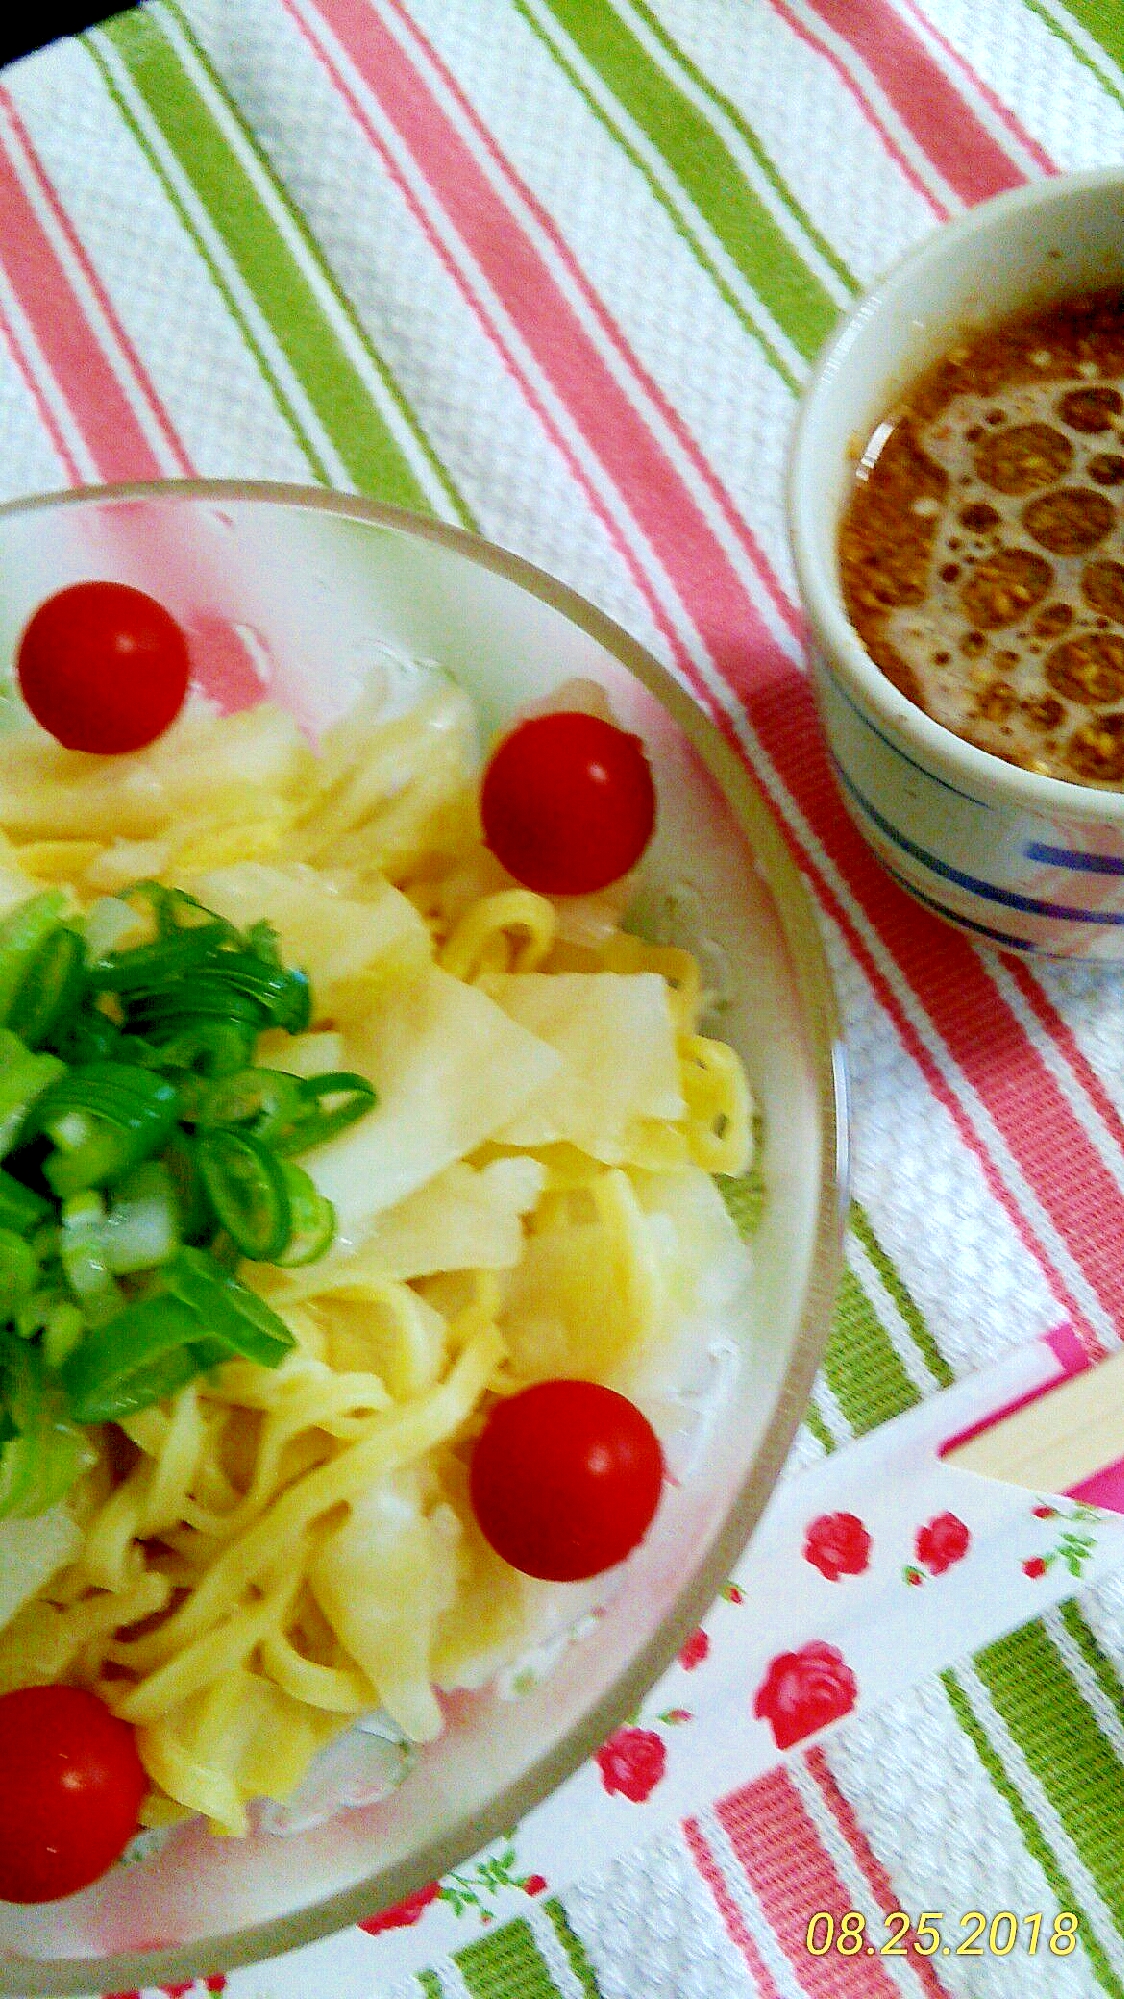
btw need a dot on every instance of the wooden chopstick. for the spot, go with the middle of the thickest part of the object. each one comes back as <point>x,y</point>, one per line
<point>1057,1441</point>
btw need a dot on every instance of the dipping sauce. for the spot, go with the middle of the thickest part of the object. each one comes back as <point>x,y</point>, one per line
<point>982,549</point>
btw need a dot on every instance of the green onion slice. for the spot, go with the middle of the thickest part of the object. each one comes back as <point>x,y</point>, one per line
<point>268,1102</point>
<point>140,1356</point>
<point>51,989</point>
<point>21,1208</point>
<point>246,1187</point>
<point>44,1453</point>
<point>103,1117</point>
<point>22,933</point>
<point>236,1319</point>
<point>331,1103</point>
<point>312,1219</point>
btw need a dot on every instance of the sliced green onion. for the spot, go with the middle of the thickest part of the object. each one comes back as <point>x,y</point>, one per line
<point>267,1101</point>
<point>262,939</point>
<point>24,1078</point>
<point>181,911</point>
<point>152,968</point>
<point>45,1453</point>
<point>91,1036</point>
<point>238,1320</point>
<point>104,1118</point>
<point>141,1356</point>
<point>21,1208</point>
<point>63,1326</point>
<point>312,1219</point>
<point>246,1187</point>
<point>22,933</point>
<point>84,1258</point>
<point>158,1035</point>
<point>332,1102</point>
<point>208,1048</point>
<point>51,989</point>
<point>142,1226</point>
<point>206,996</point>
<point>197,1220</point>
<point>19,1271</point>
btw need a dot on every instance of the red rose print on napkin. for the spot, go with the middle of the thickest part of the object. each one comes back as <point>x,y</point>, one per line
<point>1035,1569</point>
<point>216,1982</point>
<point>404,1913</point>
<point>632,1762</point>
<point>944,1541</point>
<point>694,1651</point>
<point>837,1544</point>
<point>802,1691</point>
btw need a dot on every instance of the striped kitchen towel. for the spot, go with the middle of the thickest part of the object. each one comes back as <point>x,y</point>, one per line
<point>558,270</point>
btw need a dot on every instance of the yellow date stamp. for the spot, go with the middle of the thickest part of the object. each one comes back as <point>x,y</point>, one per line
<point>971,1935</point>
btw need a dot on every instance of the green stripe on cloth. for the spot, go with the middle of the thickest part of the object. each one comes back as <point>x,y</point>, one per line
<point>1104,21</point>
<point>1097,1660</point>
<point>430,1984</point>
<point>757,247</point>
<point>1033,1837</point>
<point>814,1422</point>
<point>1075,48</point>
<point>505,1964</point>
<point>729,110</point>
<point>315,256</point>
<point>317,469</point>
<point>861,1368</point>
<point>919,1332</point>
<point>1072,1759</point>
<point>265,262</point>
<point>574,1948</point>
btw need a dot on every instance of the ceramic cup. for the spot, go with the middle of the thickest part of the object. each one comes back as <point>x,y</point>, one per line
<point>1023,862</point>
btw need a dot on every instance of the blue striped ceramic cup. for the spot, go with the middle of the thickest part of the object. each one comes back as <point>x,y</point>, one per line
<point>1023,862</point>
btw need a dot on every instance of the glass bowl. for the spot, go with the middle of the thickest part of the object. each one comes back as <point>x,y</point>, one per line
<point>302,594</point>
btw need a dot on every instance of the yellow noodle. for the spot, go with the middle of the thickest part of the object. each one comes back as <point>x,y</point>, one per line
<point>483,940</point>
<point>403,1435</point>
<point>338,1689</point>
<point>200,1663</point>
<point>192,1604</point>
<point>718,1104</point>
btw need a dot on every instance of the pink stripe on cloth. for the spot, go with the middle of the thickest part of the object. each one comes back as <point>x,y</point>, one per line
<point>793,1878</point>
<point>1104,1488</point>
<point>146,391</point>
<point>545,320</point>
<point>609,327</point>
<point>601,512</point>
<point>729,1911</point>
<point>1066,1042</point>
<point>966,155</point>
<point>994,102</point>
<point>66,341</point>
<point>43,408</point>
<point>879,1882</point>
<point>942,967</point>
<point>901,160</point>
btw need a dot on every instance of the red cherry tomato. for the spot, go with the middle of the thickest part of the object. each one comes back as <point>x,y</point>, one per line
<point>71,1785</point>
<point>568,803</point>
<point>103,667</point>
<point>565,1479</point>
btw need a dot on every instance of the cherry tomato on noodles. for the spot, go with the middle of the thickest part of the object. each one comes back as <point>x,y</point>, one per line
<point>103,667</point>
<point>568,803</point>
<point>565,1479</point>
<point>71,1785</point>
